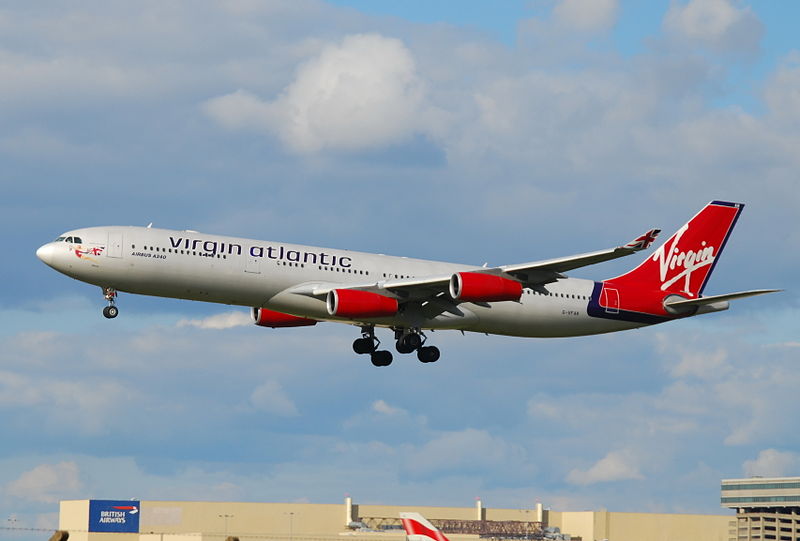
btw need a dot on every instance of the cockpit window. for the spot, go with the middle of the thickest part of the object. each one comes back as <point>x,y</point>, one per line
<point>77,240</point>
<point>60,239</point>
<point>69,239</point>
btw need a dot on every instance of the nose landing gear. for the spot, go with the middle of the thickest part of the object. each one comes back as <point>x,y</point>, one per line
<point>110,311</point>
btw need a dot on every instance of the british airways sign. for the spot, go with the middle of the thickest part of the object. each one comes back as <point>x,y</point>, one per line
<point>120,516</point>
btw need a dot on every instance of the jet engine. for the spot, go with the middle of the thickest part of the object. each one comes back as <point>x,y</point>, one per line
<point>478,287</point>
<point>356,304</point>
<point>271,318</point>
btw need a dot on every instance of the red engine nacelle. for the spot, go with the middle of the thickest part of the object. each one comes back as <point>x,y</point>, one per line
<point>355,304</point>
<point>477,287</point>
<point>271,318</point>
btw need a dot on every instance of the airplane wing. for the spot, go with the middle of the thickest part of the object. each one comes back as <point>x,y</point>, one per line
<point>529,274</point>
<point>550,270</point>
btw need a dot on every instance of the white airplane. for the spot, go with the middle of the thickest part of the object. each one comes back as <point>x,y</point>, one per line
<point>289,285</point>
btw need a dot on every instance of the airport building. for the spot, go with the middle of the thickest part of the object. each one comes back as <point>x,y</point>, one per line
<point>130,520</point>
<point>766,508</point>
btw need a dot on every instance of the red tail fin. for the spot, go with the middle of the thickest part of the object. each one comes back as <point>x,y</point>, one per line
<point>683,264</point>
<point>419,529</point>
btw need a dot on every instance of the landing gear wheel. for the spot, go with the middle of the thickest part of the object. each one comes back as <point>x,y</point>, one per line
<point>364,345</point>
<point>410,342</point>
<point>428,354</point>
<point>381,358</point>
<point>110,312</point>
<point>402,347</point>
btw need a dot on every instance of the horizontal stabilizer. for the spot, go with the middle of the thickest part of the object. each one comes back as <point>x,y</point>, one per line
<point>717,298</point>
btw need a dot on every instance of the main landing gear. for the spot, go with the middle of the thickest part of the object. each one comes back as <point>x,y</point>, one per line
<point>408,341</point>
<point>110,294</point>
<point>368,343</point>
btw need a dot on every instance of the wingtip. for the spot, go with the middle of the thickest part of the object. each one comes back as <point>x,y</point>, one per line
<point>642,242</point>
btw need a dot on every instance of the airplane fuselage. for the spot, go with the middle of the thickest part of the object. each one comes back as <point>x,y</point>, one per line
<point>273,275</point>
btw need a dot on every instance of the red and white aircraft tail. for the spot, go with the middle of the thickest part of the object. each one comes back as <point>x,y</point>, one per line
<point>671,281</point>
<point>683,264</point>
<point>418,528</point>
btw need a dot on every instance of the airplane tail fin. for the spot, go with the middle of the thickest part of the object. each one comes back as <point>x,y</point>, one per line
<point>419,529</point>
<point>683,264</point>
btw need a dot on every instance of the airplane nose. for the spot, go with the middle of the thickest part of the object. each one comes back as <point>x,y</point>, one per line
<point>45,253</point>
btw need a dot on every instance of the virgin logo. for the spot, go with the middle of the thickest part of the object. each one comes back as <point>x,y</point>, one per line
<point>672,258</point>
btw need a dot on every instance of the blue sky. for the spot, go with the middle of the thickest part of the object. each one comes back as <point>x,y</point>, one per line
<point>526,131</point>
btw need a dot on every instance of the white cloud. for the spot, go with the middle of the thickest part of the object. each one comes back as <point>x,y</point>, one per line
<point>271,398</point>
<point>47,483</point>
<point>37,144</point>
<point>85,406</point>
<point>772,463</point>
<point>241,109</point>
<point>360,93</point>
<point>30,79</point>
<point>586,15</point>
<point>383,419</point>
<point>782,97</point>
<point>615,466</point>
<point>380,406</point>
<point>718,24</point>
<point>227,320</point>
<point>692,361</point>
<point>467,449</point>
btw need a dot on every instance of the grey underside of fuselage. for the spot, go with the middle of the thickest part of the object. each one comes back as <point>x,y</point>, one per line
<point>151,264</point>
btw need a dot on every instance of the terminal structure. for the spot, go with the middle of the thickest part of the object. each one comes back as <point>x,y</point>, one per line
<point>766,508</point>
<point>135,520</point>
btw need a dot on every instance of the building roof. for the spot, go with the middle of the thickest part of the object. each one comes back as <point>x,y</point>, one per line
<point>761,492</point>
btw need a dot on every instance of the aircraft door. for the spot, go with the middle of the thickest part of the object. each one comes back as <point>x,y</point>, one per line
<point>253,265</point>
<point>610,300</point>
<point>114,248</point>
